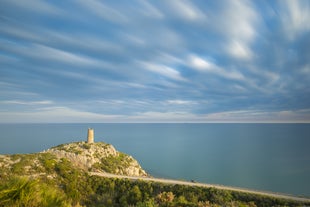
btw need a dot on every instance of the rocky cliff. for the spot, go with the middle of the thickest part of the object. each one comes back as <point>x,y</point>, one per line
<point>88,157</point>
<point>99,157</point>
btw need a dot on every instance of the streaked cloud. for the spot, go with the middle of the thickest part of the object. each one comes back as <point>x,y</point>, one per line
<point>180,102</point>
<point>201,64</point>
<point>155,61</point>
<point>150,10</point>
<point>55,114</point>
<point>239,49</point>
<point>295,17</point>
<point>204,65</point>
<point>45,102</point>
<point>240,19</point>
<point>163,70</point>
<point>103,11</point>
<point>60,55</point>
<point>34,6</point>
<point>186,10</point>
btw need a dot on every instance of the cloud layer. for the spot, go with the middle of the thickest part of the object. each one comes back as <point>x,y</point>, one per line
<point>155,61</point>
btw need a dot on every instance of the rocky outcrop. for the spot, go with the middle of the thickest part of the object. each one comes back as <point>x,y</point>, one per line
<point>99,157</point>
<point>87,157</point>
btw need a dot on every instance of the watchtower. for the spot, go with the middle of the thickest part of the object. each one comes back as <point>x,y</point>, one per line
<point>90,135</point>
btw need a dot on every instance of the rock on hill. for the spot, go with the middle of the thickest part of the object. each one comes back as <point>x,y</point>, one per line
<point>88,157</point>
<point>98,157</point>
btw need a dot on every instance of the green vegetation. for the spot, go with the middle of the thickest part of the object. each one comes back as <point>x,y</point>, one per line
<point>22,191</point>
<point>48,161</point>
<point>44,180</point>
<point>113,164</point>
<point>73,148</point>
<point>73,188</point>
<point>86,146</point>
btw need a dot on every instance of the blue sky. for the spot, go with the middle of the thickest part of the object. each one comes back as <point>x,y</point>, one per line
<point>155,61</point>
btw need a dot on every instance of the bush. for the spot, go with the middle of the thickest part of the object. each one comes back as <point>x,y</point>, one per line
<point>21,191</point>
<point>86,146</point>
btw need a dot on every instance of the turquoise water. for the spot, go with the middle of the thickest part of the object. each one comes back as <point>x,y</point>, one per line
<point>271,157</point>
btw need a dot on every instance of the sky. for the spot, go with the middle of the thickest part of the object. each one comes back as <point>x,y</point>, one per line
<point>154,61</point>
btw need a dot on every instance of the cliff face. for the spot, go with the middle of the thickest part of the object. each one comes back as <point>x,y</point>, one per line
<point>88,157</point>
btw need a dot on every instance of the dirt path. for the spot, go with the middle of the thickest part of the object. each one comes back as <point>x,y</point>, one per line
<point>179,182</point>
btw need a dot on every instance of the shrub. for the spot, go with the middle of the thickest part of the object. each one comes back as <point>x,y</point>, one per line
<point>21,191</point>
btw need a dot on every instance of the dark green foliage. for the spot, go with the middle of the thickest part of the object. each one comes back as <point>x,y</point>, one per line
<point>123,192</point>
<point>219,196</point>
<point>263,201</point>
<point>86,146</point>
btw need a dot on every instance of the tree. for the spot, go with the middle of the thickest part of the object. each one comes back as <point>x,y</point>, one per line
<point>135,195</point>
<point>165,198</point>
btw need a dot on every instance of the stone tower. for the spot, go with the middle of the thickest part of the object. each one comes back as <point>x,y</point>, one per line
<point>90,135</point>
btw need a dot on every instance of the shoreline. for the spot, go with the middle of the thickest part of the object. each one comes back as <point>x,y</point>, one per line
<point>188,183</point>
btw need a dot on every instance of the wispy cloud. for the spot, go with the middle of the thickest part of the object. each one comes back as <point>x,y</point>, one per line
<point>103,11</point>
<point>56,115</point>
<point>295,17</point>
<point>306,70</point>
<point>150,10</point>
<point>65,114</point>
<point>204,65</point>
<point>60,55</point>
<point>155,61</point>
<point>22,33</point>
<point>254,116</point>
<point>180,102</point>
<point>19,102</point>
<point>239,18</point>
<point>35,6</point>
<point>201,64</point>
<point>186,10</point>
<point>239,49</point>
<point>41,52</point>
<point>163,70</point>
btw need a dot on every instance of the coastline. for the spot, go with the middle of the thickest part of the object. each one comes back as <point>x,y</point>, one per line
<point>214,147</point>
<point>188,183</point>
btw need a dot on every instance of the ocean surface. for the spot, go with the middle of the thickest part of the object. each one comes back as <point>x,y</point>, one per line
<point>269,157</point>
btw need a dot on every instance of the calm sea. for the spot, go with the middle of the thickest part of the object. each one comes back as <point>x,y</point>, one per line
<point>270,157</point>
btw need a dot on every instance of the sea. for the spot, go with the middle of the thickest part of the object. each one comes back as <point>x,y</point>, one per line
<point>266,157</point>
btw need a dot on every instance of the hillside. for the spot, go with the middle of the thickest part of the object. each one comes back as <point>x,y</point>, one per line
<point>98,157</point>
<point>89,157</point>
